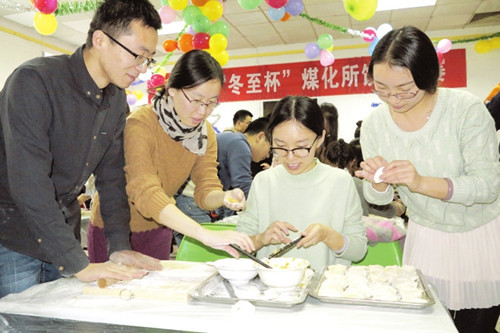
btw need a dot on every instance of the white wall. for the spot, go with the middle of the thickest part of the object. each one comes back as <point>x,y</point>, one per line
<point>483,72</point>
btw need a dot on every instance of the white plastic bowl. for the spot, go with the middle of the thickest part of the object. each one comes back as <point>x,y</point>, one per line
<point>286,272</point>
<point>237,271</point>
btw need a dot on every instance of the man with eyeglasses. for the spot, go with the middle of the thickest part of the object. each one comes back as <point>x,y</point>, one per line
<point>241,119</point>
<point>62,119</point>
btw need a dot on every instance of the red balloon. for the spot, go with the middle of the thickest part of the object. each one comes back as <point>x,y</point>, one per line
<point>201,41</point>
<point>45,6</point>
<point>276,3</point>
<point>157,80</point>
<point>185,43</point>
<point>169,45</point>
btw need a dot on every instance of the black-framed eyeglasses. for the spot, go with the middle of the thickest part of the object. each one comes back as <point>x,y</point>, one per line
<point>197,103</point>
<point>297,152</point>
<point>139,59</point>
<point>405,95</point>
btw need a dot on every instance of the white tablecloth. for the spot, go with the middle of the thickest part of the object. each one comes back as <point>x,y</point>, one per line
<point>63,299</point>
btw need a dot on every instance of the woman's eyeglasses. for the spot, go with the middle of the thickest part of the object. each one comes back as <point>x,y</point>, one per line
<point>196,103</point>
<point>297,152</point>
<point>404,95</point>
<point>139,59</point>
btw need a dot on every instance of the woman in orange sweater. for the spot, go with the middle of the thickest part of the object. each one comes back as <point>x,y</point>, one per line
<point>165,143</point>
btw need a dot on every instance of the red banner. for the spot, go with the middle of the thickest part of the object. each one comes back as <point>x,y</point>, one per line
<point>344,77</point>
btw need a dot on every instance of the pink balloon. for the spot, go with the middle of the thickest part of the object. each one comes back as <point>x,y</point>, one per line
<point>45,6</point>
<point>370,34</point>
<point>326,58</point>
<point>444,45</point>
<point>276,3</point>
<point>157,80</point>
<point>167,14</point>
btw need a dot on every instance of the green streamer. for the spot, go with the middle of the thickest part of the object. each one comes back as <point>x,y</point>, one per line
<point>77,7</point>
<point>323,23</point>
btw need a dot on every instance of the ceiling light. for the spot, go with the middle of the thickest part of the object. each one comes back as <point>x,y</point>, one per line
<point>402,4</point>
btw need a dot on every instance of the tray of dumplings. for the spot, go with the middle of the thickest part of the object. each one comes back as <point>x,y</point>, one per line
<point>373,285</point>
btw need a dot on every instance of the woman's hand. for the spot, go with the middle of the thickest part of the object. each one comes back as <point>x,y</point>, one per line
<point>222,239</point>
<point>276,233</point>
<point>403,172</point>
<point>235,199</point>
<point>369,167</point>
<point>109,270</point>
<point>317,232</point>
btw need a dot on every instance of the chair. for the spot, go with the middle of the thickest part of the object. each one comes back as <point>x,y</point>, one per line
<point>191,249</point>
<point>385,254</point>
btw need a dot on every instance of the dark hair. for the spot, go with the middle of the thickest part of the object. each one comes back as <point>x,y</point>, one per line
<point>257,126</point>
<point>115,16</point>
<point>301,108</point>
<point>355,145</point>
<point>357,131</point>
<point>331,116</point>
<point>241,115</point>
<point>192,69</point>
<point>411,48</point>
<point>339,153</point>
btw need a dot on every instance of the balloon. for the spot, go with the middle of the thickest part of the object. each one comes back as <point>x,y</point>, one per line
<point>249,4</point>
<point>444,45</point>
<point>370,33</point>
<point>167,14</point>
<point>201,23</point>
<point>169,45</point>
<point>325,41</point>
<point>360,10</point>
<point>495,43</point>
<point>294,7</point>
<point>383,29</point>
<point>285,17</point>
<point>201,40</point>
<point>164,2</point>
<point>372,46</point>
<point>483,46</point>
<point>213,10</point>
<point>276,3</point>
<point>45,24</point>
<point>276,13</point>
<point>440,57</point>
<point>189,13</point>
<point>190,30</point>
<point>131,99</point>
<point>326,58</point>
<point>157,80</point>
<point>45,6</point>
<point>185,43</point>
<point>219,27</point>
<point>221,57</point>
<point>312,50</point>
<point>218,43</point>
<point>178,4</point>
<point>199,3</point>
<point>138,94</point>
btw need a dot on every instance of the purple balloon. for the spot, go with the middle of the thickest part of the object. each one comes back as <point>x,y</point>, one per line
<point>312,50</point>
<point>294,7</point>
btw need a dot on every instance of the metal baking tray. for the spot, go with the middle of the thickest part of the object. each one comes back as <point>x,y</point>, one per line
<point>427,296</point>
<point>255,292</point>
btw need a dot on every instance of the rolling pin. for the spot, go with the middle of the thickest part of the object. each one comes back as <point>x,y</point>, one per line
<point>103,282</point>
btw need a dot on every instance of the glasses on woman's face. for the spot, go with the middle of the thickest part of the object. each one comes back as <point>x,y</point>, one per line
<point>403,95</point>
<point>196,103</point>
<point>139,59</point>
<point>297,152</point>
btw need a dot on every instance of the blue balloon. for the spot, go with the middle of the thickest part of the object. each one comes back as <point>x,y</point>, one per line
<point>372,46</point>
<point>276,14</point>
<point>312,50</point>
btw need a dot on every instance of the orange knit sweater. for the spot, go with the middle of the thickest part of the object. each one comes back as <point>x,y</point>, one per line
<point>156,166</point>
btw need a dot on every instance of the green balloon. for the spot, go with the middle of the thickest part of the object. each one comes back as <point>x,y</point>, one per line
<point>219,27</point>
<point>325,41</point>
<point>164,2</point>
<point>249,4</point>
<point>189,13</point>
<point>201,23</point>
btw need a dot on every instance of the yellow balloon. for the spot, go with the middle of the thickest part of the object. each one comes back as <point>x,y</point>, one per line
<point>127,92</point>
<point>483,46</point>
<point>138,94</point>
<point>177,4</point>
<point>495,43</point>
<point>221,57</point>
<point>45,24</point>
<point>213,10</point>
<point>361,10</point>
<point>217,43</point>
<point>330,48</point>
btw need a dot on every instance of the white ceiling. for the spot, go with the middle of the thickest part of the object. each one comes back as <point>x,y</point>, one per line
<point>254,29</point>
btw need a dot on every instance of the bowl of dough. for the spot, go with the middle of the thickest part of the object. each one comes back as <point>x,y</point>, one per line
<point>286,272</point>
<point>238,271</point>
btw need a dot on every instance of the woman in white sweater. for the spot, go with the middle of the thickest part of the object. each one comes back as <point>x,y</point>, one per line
<point>302,196</point>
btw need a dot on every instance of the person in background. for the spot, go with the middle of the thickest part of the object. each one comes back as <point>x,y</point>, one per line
<point>331,117</point>
<point>70,127</point>
<point>339,154</point>
<point>241,120</point>
<point>235,152</point>
<point>302,196</point>
<point>438,147</point>
<point>165,143</point>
